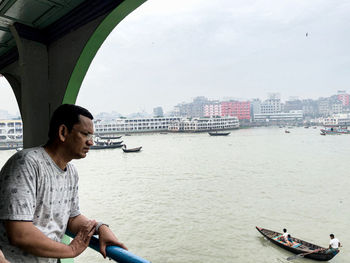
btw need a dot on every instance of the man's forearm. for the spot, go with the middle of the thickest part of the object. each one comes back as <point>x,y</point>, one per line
<point>30,239</point>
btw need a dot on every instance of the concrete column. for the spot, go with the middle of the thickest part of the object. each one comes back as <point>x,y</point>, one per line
<point>33,92</point>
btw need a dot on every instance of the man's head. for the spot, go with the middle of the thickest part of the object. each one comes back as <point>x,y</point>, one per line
<point>332,236</point>
<point>284,230</point>
<point>71,126</point>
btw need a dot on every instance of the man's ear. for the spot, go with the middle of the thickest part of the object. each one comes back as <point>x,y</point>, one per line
<point>62,132</point>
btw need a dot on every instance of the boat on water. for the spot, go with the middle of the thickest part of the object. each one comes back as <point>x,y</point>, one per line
<point>335,130</point>
<point>131,150</point>
<point>286,131</point>
<point>217,133</point>
<point>103,143</point>
<point>299,247</point>
<point>110,137</point>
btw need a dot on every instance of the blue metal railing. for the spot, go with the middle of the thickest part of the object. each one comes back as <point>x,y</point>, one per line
<point>116,253</point>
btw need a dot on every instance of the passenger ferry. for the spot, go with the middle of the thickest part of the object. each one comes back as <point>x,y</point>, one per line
<point>164,124</point>
<point>124,125</point>
<point>204,124</point>
<point>11,134</point>
<point>335,130</point>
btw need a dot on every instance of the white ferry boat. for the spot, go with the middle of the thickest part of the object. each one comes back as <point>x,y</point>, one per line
<point>205,124</point>
<point>11,134</point>
<point>123,125</point>
<point>164,124</point>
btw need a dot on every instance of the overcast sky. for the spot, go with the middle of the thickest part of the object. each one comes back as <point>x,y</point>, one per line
<point>167,52</point>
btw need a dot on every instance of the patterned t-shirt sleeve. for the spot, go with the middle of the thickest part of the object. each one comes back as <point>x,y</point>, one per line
<point>17,188</point>
<point>75,210</point>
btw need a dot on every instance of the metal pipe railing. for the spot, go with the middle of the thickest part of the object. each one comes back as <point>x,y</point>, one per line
<point>118,254</point>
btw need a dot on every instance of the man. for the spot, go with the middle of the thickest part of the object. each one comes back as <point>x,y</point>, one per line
<point>334,244</point>
<point>39,195</point>
<point>284,236</point>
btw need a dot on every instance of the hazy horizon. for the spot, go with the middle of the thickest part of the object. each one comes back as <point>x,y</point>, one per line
<point>167,52</point>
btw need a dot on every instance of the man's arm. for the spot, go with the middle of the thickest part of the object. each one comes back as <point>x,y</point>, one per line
<point>30,239</point>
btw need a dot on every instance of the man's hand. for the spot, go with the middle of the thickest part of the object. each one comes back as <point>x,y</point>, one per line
<point>82,238</point>
<point>2,258</point>
<point>107,238</point>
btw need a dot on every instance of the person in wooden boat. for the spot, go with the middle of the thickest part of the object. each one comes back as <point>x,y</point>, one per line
<point>284,236</point>
<point>39,195</point>
<point>334,245</point>
<point>289,240</point>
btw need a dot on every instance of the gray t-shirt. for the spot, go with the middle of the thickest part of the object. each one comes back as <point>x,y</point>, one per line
<point>33,188</point>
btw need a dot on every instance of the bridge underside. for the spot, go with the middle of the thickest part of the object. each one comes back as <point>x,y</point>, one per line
<point>45,62</point>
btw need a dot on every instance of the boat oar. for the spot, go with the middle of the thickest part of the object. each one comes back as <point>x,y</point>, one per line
<point>304,254</point>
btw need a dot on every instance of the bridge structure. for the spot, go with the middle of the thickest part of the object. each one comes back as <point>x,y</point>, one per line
<point>46,48</point>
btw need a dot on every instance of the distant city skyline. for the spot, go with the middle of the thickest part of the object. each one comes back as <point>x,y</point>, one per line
<point>167,52</point>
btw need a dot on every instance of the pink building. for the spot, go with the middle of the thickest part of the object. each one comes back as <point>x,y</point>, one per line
<point>344,98</point>
<point>240,109</point>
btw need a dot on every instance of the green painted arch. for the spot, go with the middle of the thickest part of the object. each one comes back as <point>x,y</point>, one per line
<point>92,46</point>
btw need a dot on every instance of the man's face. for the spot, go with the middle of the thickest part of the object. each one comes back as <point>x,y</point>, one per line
<point>80,138</point>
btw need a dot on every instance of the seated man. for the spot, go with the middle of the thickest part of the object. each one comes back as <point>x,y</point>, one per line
<point>334,245</point>
<point>289,240</point>
<point>284,236</point>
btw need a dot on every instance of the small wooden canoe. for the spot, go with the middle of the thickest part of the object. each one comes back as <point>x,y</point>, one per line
<point>132,150</point>
<point>298,246</point>
<point>218,133</point>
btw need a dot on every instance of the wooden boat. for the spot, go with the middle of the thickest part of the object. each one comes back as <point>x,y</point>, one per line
<point>286,131</point>
<point>104,146</point>
<point>216,133</point>
<point>299,246</point>
<point>110,137</point>
<point>131,150</point>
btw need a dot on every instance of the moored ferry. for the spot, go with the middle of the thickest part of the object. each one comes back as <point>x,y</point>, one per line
<point>205,124</point>
<point>164,124</point>
<point>127,126</point>
<point>334,130</point>
<point>11,134</point>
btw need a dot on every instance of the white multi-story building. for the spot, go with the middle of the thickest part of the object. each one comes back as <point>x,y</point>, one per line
<point>292,116</point>
<point>336,120</point>
<point>211,110</point>
<point>271,105</point>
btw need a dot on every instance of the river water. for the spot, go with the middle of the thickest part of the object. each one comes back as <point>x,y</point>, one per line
<point>197,198</point>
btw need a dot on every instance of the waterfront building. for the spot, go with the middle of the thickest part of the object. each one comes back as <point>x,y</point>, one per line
<point>193,109</point>
<point>158,112</point>
<point>280,117</point>
<point>343,97</point>
<point>271,105</point>
<point>324,108</point>
<point>240,109</point>
<point>204,124</point>
<point>212,109</point>
<point>337,120</point>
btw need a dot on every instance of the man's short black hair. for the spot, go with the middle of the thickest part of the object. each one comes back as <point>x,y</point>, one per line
<point>331,235</point>
<point>284,230</point>
<point>67,114</point>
